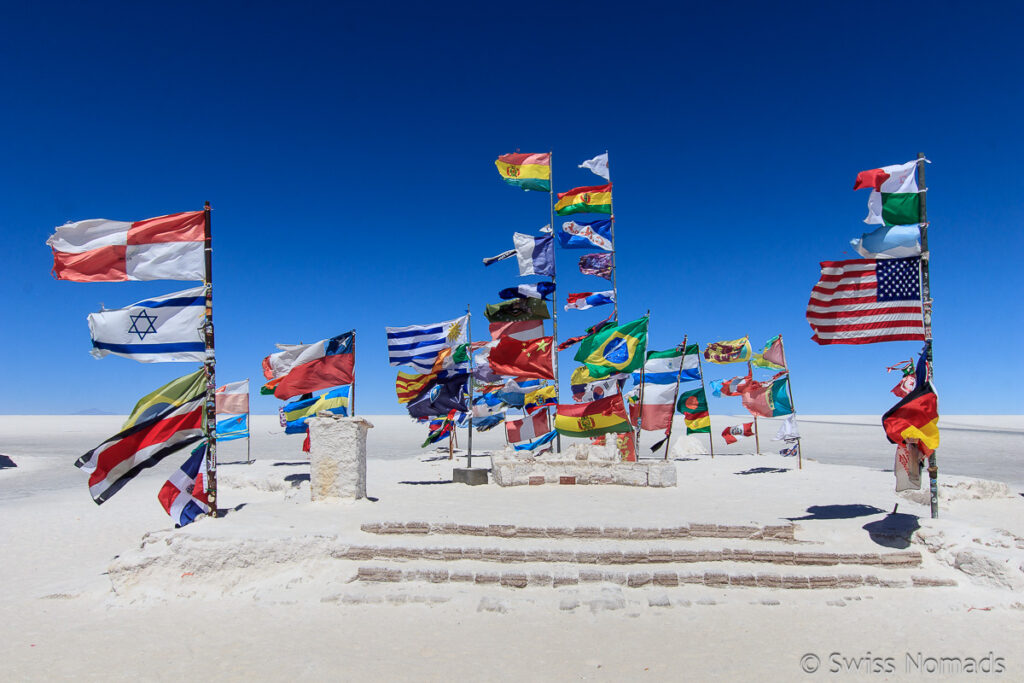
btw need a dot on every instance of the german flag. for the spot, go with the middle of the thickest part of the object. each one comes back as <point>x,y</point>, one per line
<point>916,416</point>
<point>593,419</point>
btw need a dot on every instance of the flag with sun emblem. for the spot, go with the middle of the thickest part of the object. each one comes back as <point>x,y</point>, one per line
<point>162,329</point>
<point>418,345</point>
<point>614,349</point>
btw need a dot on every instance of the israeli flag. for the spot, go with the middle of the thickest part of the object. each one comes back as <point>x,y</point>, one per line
<point>164,329</point>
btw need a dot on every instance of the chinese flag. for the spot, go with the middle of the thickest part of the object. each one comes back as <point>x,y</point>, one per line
<point>516,358</point>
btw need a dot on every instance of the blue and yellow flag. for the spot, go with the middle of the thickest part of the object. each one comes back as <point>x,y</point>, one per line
<point>297,412</point>
<point>614,349</point>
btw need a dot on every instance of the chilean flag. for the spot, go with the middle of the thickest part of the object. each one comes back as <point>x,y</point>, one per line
<point>184,495</point>
<point>304,368</point>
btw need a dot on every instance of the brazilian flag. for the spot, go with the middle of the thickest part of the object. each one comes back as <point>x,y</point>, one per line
<point>614,349</point>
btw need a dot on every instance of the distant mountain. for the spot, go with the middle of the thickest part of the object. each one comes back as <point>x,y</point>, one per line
<point>93,411</point>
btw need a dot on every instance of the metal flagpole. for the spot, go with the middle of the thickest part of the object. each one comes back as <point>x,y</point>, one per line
<point>554,295</point>
<point>711,436</point>
<point>926,308</point>
<point>643,375</point>
<point>792,404</point>
<point>210,365</point>
<point>352,387</point>
<point>675,397</point>
<point>469,388</point>
<point>611,207</point>
<point>757,435</point>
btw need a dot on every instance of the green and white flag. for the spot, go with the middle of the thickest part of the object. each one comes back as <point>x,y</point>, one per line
<point>895,198</point>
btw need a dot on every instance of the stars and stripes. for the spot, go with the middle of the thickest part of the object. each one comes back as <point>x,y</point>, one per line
<point>864,301</point>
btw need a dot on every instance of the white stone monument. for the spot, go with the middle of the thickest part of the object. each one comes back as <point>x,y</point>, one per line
<point>337,456</point>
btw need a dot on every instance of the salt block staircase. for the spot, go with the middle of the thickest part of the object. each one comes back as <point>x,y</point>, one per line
<point>508,558</point>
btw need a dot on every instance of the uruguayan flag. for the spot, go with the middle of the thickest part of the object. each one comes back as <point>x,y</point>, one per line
<point>163,329</point>
<point>418,345</point>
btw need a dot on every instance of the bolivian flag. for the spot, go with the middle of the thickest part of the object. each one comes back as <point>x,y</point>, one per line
<point>528,171</point>
<point>916,416</point>
<point>595,199</point>
<point>593,419</point>
<point>614,349</point>
<point>694,407</point>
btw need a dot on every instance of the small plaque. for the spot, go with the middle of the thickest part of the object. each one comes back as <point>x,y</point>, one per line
<point>567,480</point>
<point>536,481</point>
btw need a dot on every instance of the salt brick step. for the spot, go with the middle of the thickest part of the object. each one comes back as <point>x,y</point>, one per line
<point>782,532</point>
<point>640,579</point>
<point>897,559</point>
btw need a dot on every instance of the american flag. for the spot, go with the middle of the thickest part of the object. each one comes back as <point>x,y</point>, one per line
<point>863,301</point>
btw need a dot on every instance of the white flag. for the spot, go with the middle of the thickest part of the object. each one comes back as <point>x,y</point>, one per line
<point>788,431</point>
<point>598,165</point>
<point>164,329</point>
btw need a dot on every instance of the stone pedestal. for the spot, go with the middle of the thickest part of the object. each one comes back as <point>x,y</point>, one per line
<point>337,456</point>
<point>474,476</point>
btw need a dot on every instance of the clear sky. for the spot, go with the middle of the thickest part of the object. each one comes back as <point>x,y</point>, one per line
<point>348,154</point>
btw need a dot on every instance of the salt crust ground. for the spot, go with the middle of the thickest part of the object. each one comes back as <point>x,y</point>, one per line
<point>61,620</point>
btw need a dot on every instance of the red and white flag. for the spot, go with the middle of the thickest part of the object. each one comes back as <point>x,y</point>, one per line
<point>522,330</point>
<point>657,407</point>
<point>528,428</point>
<point>730,434</point>
<point>863,301</point>
<point>163,248</point>
<point>233,398</point>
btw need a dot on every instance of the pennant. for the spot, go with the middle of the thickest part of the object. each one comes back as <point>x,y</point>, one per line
<point>584,300</point>
<point>514,358</point>
<point>418,345</point>
<point>733,351</point>
<point>597,264</point>
<point>163,248</point>
<point>536,254</point>
<point>528,171</point>
<point>614,349</point>
<point>537,290</point>
<point>598,165</point>
<point>184,496</point>
<point>576,235</point>
<point>694,407</point>
<point>593,199</point>
<point>517,310</point>
<point>162,329</point>
<point>731,434</point>
<point>604,416</point>
<point>162,422</point>
<point>528,428</point>
<point>304,368</point>
<point>500,257</point>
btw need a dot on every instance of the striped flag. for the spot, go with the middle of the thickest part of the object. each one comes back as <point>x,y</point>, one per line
<point>233,411</point>
<point>418,345</point>
<point>184,496</point>
<point>162,329</point>
<point>528,428</point>
<point>162,248</point>
<point>303,368</point>
<point>161,423</point>
<point>864,301</point>
<point>731,434</point>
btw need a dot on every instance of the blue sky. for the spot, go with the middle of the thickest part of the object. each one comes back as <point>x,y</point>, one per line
<point>348,154</point>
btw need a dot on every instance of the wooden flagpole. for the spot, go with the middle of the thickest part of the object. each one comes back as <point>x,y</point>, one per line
<point>926,309</point>
<point>711,435</point>
<point>554,295</point>
<point>640,407</point>
<point>469,388</point>
<point>757,435</point>
<point>675,397</point>
<point>210,365</point>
